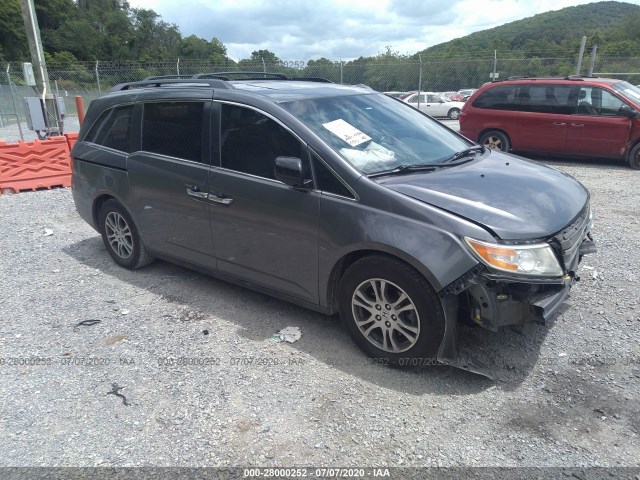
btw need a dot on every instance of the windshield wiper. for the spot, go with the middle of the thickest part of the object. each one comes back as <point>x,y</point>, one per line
<point>426,167</point>
<point>465,153</point>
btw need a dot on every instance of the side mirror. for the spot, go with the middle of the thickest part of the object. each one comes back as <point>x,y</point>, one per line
<point>289,171</point>
<point>627,111</point>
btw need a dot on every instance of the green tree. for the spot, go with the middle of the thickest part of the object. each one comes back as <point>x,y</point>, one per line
<point>13,39</point>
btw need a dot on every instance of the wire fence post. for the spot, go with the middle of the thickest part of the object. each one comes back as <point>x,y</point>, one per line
<point>178,66</point>
<point>264,67</point>
<point>341,81</point>
<point>594,50</point>
<point>98,79</point>
<point>583,43</point>
<point>13,99</point>
<point>495,65</point>
<point>419,80</point>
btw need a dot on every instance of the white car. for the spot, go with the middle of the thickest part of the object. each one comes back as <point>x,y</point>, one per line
<point>435,105</point>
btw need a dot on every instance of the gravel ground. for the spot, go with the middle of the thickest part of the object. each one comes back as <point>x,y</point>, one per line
<point>174,368</point>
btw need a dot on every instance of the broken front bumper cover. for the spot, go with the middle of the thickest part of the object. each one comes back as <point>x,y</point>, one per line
<point>494,300</point>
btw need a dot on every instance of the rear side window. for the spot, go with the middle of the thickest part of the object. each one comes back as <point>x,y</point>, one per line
<point>501,97</point>
<point>173,129</point>
<point>113,129</point>
<point>545,99</point>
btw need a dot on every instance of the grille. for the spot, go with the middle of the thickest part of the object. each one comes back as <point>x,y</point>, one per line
<point>571,237</point>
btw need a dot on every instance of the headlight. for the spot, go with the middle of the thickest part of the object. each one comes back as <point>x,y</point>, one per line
<point>538,259</point>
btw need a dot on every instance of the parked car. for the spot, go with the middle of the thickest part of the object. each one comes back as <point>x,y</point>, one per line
<point>449,95</point>
<point>434,105</point>
<point>333,197</point>
<point>577,116</point>
<point>465,93</point>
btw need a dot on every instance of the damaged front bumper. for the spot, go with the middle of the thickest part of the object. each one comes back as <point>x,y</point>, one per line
<point>495,299</point>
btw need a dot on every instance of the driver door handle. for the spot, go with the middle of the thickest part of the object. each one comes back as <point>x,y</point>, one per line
<point>194,191</point>
<point>559,124</point>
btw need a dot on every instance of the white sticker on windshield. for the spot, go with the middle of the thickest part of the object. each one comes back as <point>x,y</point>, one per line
<point>628,91</point>
<point>347,132</point>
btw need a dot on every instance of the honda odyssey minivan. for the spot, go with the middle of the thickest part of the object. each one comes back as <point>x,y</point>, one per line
<point>334,197</point>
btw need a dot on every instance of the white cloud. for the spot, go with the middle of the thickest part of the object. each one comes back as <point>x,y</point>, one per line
<point>341,29</point>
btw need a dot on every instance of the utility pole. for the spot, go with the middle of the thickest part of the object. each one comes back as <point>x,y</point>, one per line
<point>41,75</point>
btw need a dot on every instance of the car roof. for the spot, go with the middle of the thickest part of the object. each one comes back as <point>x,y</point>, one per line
<point>284,90</point>
<point>276,87</point>
<point>557,80</point>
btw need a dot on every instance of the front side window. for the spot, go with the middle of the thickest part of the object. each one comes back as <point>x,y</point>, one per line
<point>173,129</point>
<point>250,141</point>
<point>113,129</point>
<point>376,133</point>
<point>326,181</point>
<point>596,101</point>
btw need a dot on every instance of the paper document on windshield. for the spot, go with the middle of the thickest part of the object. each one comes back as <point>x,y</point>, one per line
<point>372,158</point>
<point>347,132</point>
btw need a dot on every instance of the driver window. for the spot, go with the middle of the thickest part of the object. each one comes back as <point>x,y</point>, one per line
<point>251,141</point>
<point>597,101</point>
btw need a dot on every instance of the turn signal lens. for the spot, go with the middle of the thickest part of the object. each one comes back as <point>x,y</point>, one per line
<point>537,259</point>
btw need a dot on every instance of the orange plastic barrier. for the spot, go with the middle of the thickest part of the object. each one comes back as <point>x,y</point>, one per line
<point>34,165</point>
<point>71,139</point>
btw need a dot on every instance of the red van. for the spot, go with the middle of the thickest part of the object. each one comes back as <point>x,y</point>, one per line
<point>577,116</point>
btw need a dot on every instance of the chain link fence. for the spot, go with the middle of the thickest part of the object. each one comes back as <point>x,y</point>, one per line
<point>384,73</point>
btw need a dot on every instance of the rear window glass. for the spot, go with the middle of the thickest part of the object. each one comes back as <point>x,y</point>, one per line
<point>502,97</point>
<point>113,129</point>
<point>173,129</point>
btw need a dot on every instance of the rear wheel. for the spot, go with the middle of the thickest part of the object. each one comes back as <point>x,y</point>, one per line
<point>391,311</point>
<point>121,236</point>
<point>634,157</point>
<point>495,140</point>
<point>454,113</point>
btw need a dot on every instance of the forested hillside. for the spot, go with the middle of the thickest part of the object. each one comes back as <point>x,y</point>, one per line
<point>613,26</point>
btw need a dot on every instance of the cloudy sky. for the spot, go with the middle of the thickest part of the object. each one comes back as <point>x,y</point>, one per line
<point>341,29</point>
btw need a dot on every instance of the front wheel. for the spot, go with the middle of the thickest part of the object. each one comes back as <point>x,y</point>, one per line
<point>495,140</point>
<point>121,236</point>
<point>634,157</point>
<point>454,113</point>
<point>391,311</point>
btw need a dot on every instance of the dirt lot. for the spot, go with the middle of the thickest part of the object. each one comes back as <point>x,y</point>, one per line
<point>165,366</point>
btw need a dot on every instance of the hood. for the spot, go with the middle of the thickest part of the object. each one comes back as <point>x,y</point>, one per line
<point>515,198</point>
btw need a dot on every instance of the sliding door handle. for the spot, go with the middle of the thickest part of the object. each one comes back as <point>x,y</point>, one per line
<point>220,198</point>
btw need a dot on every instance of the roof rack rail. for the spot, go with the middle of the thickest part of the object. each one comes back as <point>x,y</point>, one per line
<point>215,83</point>
<point>576,77</point>
<point>253,75</point>
<point>311,79</point>
<point>167,77</point>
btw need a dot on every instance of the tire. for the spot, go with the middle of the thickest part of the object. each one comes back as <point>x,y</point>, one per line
<point>495,140</point>
<point>405,332</point>
<point>121,238</point>
<point>454,114</point>
<point>634,157</point>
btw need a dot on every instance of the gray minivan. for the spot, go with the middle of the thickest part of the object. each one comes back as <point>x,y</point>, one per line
<point>334,197</point>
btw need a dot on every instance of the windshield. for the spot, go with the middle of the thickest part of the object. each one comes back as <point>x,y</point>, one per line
<point>376,133</point>
<point>630,91</point>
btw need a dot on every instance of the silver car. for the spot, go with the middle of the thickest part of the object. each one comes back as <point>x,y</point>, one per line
<point>435,105</point>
